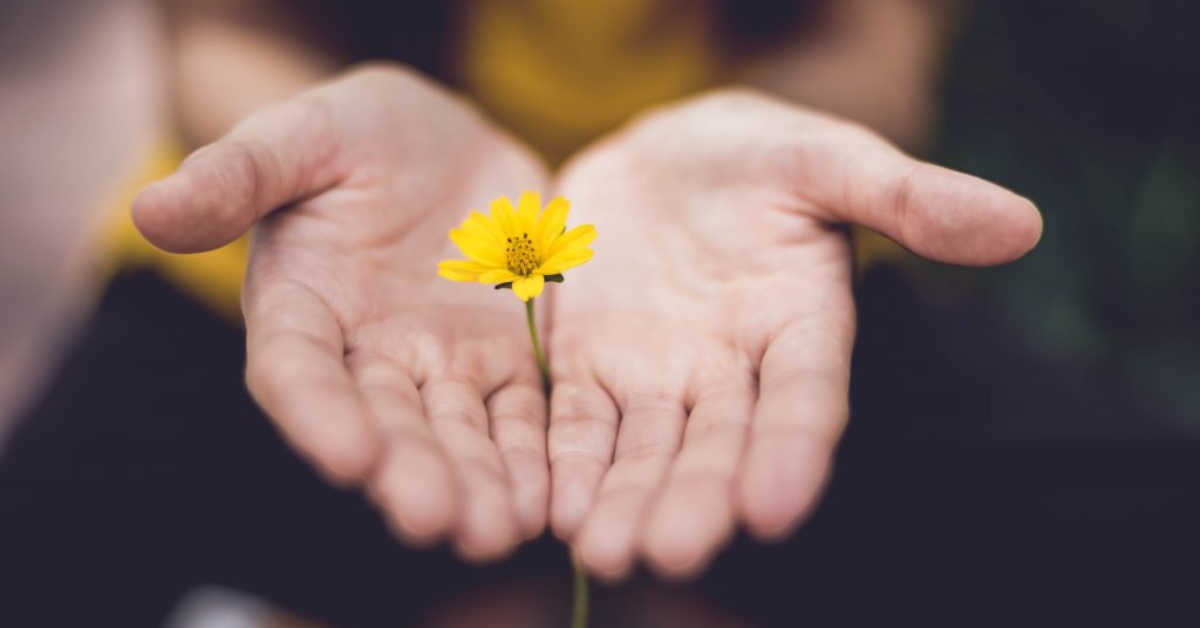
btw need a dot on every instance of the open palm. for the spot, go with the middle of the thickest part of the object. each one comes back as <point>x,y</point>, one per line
<point>372,366</point>
<point>701,361</point>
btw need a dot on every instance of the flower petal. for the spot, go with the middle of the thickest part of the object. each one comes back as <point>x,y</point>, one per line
<point>506,219</point>
<point>478,248</point>
<point>460,270</point>
<point>528,207</point>
<point>564,260</point>
<point>497,275</point>
<point>480,223</point>
<point>578,237</point>
<point>550,225</point>
<point>528,287</point>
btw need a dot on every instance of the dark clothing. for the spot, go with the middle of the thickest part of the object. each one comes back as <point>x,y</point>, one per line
<point>117,497</point>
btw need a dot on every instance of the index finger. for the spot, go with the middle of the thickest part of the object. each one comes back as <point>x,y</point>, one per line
<point>295,371</point>
<point>803,406</point>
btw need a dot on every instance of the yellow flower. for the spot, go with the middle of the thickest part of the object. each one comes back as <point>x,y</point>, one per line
<point>521,248</point>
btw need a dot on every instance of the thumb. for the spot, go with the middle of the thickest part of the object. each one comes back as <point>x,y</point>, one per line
<point>274,157</point>
<point>935,212</point>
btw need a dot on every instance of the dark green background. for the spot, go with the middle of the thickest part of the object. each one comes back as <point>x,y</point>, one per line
<point>1091,109</point>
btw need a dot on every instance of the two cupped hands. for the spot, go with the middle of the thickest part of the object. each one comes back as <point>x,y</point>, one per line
<point>700,362</point>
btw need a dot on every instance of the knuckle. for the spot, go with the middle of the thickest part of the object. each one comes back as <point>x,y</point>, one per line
<point>643,451</point>
<point>344,466</point>
<point>527,410</point>
<point>572,403</point>
<point>238,178</point>
<point>578,461</point>
<point>902,195</point>
<point>719,432</point>
<point>309,113</point>
<point>662,402</point>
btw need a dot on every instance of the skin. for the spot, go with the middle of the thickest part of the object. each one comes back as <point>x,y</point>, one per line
<point>382,374</point>
<point>65,67</point>
<point>700,361</point>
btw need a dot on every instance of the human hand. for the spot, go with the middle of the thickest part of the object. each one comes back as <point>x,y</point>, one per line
<point>373,367</point>
<point>701,360</point>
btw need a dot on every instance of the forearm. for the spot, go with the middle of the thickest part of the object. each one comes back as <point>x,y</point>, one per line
<point>79,99</point>
<point>231,57</point>
<point>878,63</point>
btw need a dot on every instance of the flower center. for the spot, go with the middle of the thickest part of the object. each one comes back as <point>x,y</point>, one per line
<point>521,256</point>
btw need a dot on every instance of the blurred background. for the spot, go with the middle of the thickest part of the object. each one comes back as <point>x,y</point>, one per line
<point>1025,440</point>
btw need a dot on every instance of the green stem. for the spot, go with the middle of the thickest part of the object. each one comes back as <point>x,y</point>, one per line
<point>579,612</point>
<point>537,345</point>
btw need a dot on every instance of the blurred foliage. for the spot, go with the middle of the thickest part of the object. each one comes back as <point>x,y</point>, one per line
<point>1091,109</point>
